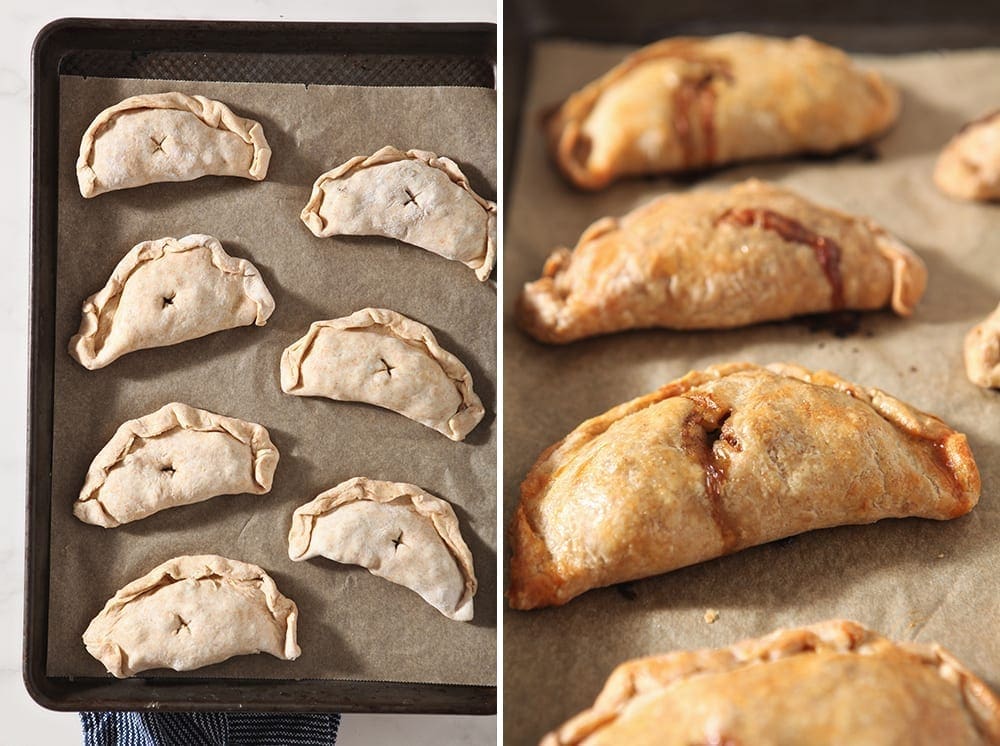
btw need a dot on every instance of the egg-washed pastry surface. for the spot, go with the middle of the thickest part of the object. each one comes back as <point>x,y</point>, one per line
<point>720,460</point>
<point>381,357</point>
<point>397,531</point>
<point>712,259</point>
<point>688,103</point>
<point>982,352</point>
<point>830,683</point>
<point>193,611</point>
<point>168,291</point>
<point>969,165</point>
<point>177,455</point>
<point>413,196</point>
<point>160,137</point>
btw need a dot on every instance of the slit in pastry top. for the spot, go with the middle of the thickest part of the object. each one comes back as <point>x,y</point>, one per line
<point>689,103</point>
<point>381,357</point>
<point>163,137</point>
<point>413,196</point>
<point>721,460</point>
<point>718,259</point>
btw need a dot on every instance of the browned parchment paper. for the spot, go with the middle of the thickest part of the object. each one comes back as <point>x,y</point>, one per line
<point>352,625</point>
<point>910,579</point>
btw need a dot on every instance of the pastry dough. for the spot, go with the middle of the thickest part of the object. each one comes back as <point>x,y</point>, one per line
<point>982,352</point>
<point>827,684</point>
<point>169,291</point>
<point>721,460</point>
<point>398,531</point>
<point>969,165</point>
<point>689,103</point>
<point>177,455</point>
<point>190,612</point>
<point>716,260</point>
<point>416,197</point>
<point>168,137</point>
<point>383,358</point>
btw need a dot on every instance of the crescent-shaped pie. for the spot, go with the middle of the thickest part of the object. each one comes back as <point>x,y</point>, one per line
<point>982,352</point>
<point>177,455</point>
<point>688,103</point>
<point>190,612</point>
<point>720,460</point>
<point>969,166</point>
<point>716,260</point>
<point>397,531</point>
<point>168,137</point>
<point>827,684</point>
<point>414,196</point>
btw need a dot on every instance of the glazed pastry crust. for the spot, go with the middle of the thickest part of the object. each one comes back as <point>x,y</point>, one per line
<point>253,302</point>
<point>716,260</point>
<point>90,506</point>
<point>969,166</point>
<point>888,693</point>
<point>689,103</point>
<point>132,167</point>
<point>982,352</point>
<point>418,340</point>
<point>720,460</point>
<point>127,645</point>
<point>437,511</point>
<point>445,226</point>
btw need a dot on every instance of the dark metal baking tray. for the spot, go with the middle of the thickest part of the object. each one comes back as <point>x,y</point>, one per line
<point>320,53</point>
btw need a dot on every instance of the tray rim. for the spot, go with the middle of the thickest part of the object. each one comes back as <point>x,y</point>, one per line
<point>54,40</point>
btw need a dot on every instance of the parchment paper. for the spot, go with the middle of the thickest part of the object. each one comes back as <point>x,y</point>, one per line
<point>910,579</point>
<point>352,625</point>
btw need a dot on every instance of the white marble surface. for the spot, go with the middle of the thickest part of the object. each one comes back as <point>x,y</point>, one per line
<point>24,721</point>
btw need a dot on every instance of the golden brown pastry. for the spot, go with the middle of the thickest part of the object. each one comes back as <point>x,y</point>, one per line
<point>969,165</point>
<point>982,352</point>
<point>687,103</point>
<point>177,455</point>
<point>827,684</point>
<point>190,612</point>
<point>716,260</point>
<point>168,137</point>
<point>720,460</point>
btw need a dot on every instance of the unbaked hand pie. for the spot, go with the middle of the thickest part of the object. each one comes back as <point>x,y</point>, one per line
<point>689,103</point>
<point>969,165</point>
<point>381,357</point>
<point>982,352</point>
<point>716,260</point>
<point>720,460</point>
<point>193,611</point>
<point>168,137</point>
<point>417,197</point>
<point>827,684</point>
<point>397,531</point>
<point>169,291</point>
<point>178,455</point>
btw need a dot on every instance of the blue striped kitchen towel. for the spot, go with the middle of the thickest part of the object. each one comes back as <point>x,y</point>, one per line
<point>208,729</point>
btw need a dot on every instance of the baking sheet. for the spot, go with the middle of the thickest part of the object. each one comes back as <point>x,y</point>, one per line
<point>352,625</point>
<point>910,579</point>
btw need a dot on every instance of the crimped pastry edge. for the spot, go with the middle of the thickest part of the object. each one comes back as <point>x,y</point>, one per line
<point>439,511</point>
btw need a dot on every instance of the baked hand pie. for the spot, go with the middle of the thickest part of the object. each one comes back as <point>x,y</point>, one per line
<point>398,531</point>
<point>417,197</point>
<point>827,684</point>
<point>720,460</point>
<point>716,260</point>
<point>169,291</point>
<point>383,358</point>
<point>689,103</point>
<point>969,165</point>
<point>982,352</point>
<point>178,455</point>
<point>168,137</point>
<point>190,612</point>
